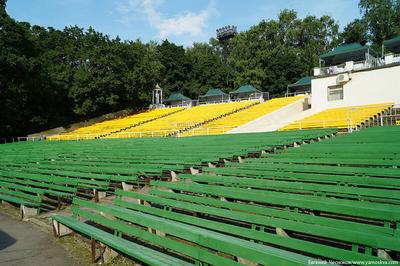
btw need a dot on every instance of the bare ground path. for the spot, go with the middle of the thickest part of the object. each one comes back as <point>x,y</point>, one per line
<point>22,243</point>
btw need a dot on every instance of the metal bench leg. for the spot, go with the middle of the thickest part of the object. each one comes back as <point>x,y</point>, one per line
<point>95,195</point>
<point>58,203</point>
<point>93,250</point>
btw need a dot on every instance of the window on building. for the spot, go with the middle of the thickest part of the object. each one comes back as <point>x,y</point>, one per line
<point>335,93</point>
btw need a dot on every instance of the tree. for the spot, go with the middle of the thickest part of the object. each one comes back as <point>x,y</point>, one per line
<point>206,70</point>
<point>3,4</point>
<point>355,31</point>
<point>275,53</point>
<point>50,77</point>
<point>175,66</point>
<point>382,18</point>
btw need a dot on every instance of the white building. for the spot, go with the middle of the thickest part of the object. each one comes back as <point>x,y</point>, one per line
<point>345,82</point>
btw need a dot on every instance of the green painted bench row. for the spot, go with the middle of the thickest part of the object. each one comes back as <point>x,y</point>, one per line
<point>255,233</point>
<point>203,237</point>
<point>372,210</point>
<point>337,155</point>
<point>357,237</point>
<point>327,161</point>
<point>54,177</point>
<point>37,188</point>
<point>141,253</point>
<point>342,179</point>
<point>324,169</point>
<point>19,194</point>
<point>373,194</point>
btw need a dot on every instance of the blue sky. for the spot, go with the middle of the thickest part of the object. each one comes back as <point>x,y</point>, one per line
<point>181,21</point>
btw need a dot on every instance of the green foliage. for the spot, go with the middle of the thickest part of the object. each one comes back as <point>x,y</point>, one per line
<point>382,18</point>
<point>275,53</point>
<point>355,31</point>
<point>50,77</point>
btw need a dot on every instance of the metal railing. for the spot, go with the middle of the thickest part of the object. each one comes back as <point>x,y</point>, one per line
<point>326,123</point>
<point>396,58</point>
<point>297,93</point>
<point>262,96</point>
<point>350,123</point>
<point>19,139</point>
<point>350,66</point>
<point>146,134</point>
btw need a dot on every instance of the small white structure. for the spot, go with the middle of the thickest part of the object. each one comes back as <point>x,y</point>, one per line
<point>157,98</point>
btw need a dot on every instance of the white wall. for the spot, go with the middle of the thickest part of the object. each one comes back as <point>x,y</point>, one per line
<point>365,87</point>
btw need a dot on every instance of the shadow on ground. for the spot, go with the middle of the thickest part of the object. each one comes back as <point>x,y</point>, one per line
<point>6,240</point>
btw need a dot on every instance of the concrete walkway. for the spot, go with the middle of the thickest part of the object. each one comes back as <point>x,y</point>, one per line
<point>21,243</point>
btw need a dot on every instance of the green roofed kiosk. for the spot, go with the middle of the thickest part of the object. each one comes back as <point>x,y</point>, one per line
<point>245,92</point>
<point>346,57</point>
<point>214,96</point>
<point>178,99</point>
<point>347,52</point>
<point>393,44</point>
<point>303,85</point>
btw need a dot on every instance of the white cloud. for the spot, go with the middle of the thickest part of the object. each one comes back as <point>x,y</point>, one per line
<point>190,23</point>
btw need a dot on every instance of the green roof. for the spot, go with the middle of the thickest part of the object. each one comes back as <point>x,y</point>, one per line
<point>303,82</point>
<point>245,89</point>
<point>393,44</point>
<point>177,97</point>
<point>346,52</point>
<point>214,92</point>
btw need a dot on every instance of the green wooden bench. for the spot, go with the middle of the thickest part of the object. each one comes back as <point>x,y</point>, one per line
<point>372,210</point>
<point>227,228</point>
<point>213,240</point>
<point>324,169</point>
<point>29,202</point>
<point>373,194</point>
<point>141,253</point>
<point>366,181</point>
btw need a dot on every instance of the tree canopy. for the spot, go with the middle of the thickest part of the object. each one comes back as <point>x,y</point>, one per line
<point>51,77</point>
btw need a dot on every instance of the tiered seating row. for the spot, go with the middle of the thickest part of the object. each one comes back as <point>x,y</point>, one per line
<point>345,117</point>
<point>271,212</point>
<point>180,121</point>
<point>225,124</point>
<point>107,127</point>
<point>57,171</point>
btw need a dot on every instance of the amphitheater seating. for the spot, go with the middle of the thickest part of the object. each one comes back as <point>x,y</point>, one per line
<point>198,244</point>
<point>59,171</point>
<point>182,120</point>
<point>262,199</point>
<point>109,126</point>
<point>225,124</point>
<point>325,200</point>
<point>344,117</point>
